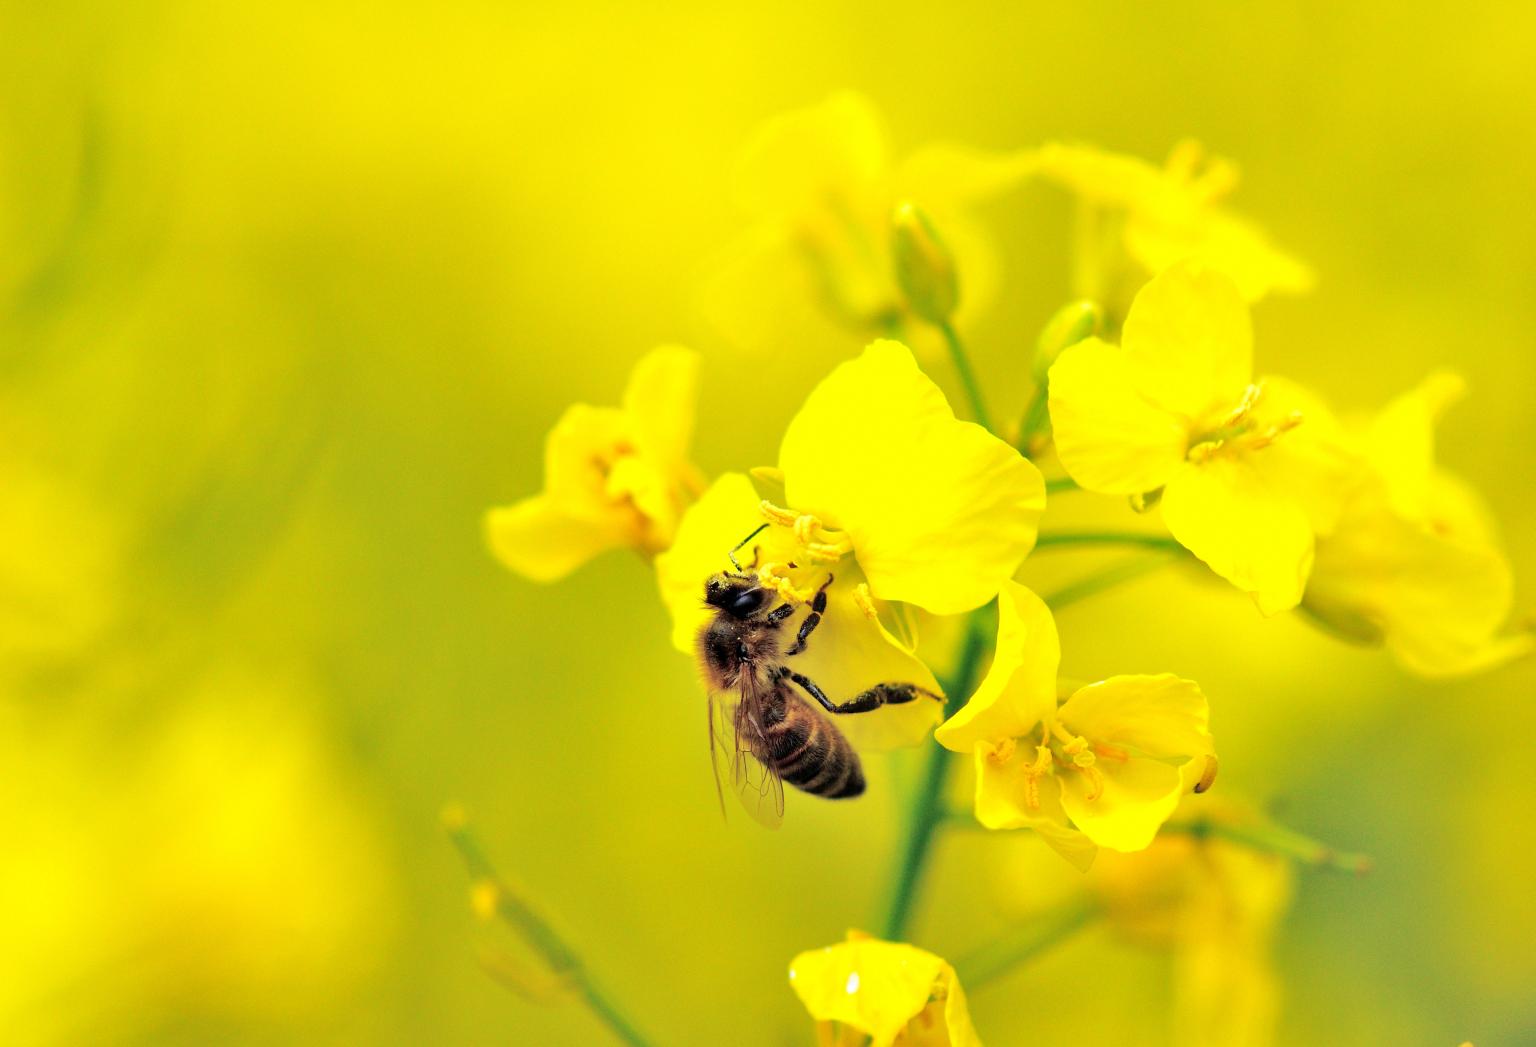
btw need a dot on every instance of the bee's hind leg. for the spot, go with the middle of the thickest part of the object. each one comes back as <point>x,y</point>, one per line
<point>812,620</point>
<point>878,695</point>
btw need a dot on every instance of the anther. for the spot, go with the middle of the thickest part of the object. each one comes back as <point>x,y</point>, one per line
<point>866,603</point>
<point>1208,776</point>
<point>999,753</point>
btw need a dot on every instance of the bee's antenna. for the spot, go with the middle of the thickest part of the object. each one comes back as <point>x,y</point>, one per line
<point>732,554</point>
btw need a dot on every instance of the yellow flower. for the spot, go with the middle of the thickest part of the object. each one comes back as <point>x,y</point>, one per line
<point>613,476</point>
<point>1174,408</point>
<point>890,992</point>
<point>1105,769</point>
<point>850,650</point>
<point>821,188</point>
<point>1172,214</point>
<point>893,499</point>
<point>1216,905</point>
<point>1414,561</point>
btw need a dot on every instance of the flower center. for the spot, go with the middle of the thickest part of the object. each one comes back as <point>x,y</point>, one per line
<point>1240,431</point>
<point>1057,748</point>
<point>819,543</point>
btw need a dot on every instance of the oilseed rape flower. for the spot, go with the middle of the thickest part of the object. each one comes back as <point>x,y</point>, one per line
<point>1414,562</point>
<point>867,991</point>
<point>1104,769</point>
<point>614,477</point>
<point>1163,216</point>
<point>821,189</point>
<point>1248,471</point>
<point>888,500</point>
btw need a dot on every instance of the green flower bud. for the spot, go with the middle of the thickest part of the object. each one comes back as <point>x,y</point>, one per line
<point>925,269</point>
<point>1071,324</point>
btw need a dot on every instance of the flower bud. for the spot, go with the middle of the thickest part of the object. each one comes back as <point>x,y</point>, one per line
<point>1071,324</point>
<point>925,269</point>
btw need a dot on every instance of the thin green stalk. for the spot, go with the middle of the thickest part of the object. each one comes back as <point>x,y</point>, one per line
<point>1025,943</point>
<point>1275,839</point>
<point>1070,538</point>
<point>927,812</point>
<point>967,376</point>
<point>1037,417</point>
<point>563,962</point>
<point>1116,574</point>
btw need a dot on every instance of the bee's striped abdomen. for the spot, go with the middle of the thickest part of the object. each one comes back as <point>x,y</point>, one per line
<point>811,754</point>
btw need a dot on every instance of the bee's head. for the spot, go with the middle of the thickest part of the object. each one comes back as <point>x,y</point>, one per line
<point>739,596</point>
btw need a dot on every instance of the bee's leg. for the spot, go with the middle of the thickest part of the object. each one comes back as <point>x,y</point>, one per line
<point>812,620</point>
<point>878,695</point>
<point>779,613</point>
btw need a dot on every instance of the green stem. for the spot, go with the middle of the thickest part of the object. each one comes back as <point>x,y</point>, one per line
<point>1025,943</point>
<point>1069,538</point>
<point>927,812</point>
<point>1116,574</point>
<point>563,961</point>
<point>1274,839</point>
<point>967,376</point>
<point>1037,418</point>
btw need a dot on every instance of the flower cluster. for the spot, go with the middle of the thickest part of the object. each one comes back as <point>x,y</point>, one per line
<point>885,511</point>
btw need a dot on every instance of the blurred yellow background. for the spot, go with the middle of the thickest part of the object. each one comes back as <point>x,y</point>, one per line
<point>290,294</point>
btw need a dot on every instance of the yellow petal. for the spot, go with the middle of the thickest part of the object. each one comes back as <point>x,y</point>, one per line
<point>1110,438</point>
<point>848,653</point>
<point>1400,441</point>
<point>1002,802</point>
<point>660,402</point>
<point>874,986</point>
<point>1105,178</point>
<point>1019,689</point>
<point>538,540</point>
<point>1161,716</point>
<point>1128,805</point>
<point>1226,513</point>
<point>1218,240</point>
<point>940,511</point>
<point>800,160</point>
<point>1317,463</point>
<point>943,174</point>
<point>1439,596</point>
<point>1188,330</point>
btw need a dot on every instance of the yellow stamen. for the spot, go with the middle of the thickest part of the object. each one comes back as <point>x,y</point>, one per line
<point>864,601</point>
<point>999,753</point>
<point>773,514</point>
<point>1240,413</point>
<point>1042,766</point>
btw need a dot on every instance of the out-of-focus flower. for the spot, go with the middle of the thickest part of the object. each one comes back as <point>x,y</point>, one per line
<point>613,476</point>
<point>893,499</point>
<point>1165,215</point>
<point>1216,904</point>
<point>1174,408</point>
<point>1414,561</point>
<point>889,992</point>
<point>222,865</point>
<point>1105,769</point>
<point>822,190</point>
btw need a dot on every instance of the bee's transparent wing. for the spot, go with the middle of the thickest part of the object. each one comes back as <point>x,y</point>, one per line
<point>735,730</point>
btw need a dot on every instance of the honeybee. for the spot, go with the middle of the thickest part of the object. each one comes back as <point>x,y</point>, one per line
<point>762,730</point>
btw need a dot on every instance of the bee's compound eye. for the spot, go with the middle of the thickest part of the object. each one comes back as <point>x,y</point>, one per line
<point>746,601</point>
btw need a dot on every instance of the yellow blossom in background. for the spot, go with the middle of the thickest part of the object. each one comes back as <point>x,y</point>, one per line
<point>820,188</point>
<point>1248,471</point>
<point>1161,216</point>
<point>1217,906</point>
<point>229,868</point>
<point>1414,561</point>
<point>1104,769</point>
<point>889,992</point>
<point>614,477</point>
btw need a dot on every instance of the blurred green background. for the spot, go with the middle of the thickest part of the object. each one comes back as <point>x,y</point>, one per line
<point>290,294</point>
